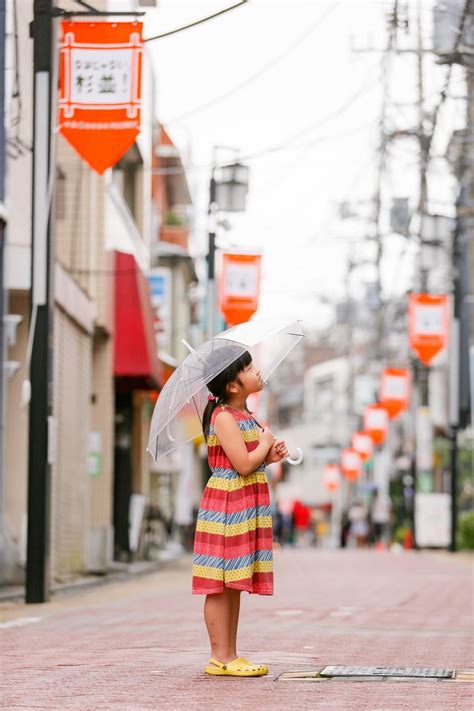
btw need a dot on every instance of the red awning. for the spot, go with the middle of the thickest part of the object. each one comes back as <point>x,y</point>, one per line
<point>135,349</point>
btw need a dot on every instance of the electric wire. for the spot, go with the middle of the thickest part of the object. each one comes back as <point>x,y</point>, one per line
<point>195,23</point>
<point>263,70</point>
<point>285,144</point>
<point>16,145</point>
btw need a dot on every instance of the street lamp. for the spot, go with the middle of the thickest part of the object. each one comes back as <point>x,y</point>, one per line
<point>232,184</point>
<point>227,193</point>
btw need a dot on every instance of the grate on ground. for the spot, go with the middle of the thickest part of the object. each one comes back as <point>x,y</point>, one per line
<point>409,672</point>
<point>350,673</point>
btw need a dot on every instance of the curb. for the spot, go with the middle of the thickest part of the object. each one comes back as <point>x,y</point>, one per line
<point>118,572</point>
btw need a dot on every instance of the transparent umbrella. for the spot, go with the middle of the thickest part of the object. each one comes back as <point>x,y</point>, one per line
<point>177,416</point>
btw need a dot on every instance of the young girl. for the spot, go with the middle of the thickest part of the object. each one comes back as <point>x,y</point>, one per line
<point>233,544</point>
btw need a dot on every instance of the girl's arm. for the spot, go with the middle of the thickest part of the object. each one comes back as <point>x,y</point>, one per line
<point>230,437</point>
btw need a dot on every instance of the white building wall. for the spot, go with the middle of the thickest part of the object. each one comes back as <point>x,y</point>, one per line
<point>325,424</point>
<point>69,484</point>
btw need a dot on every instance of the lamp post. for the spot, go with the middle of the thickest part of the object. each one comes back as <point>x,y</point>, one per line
<point>227,193</point>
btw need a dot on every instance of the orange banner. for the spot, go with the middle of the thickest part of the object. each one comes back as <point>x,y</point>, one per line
<point>395,390</point>
<point>100,68</point>
<point>363,444</point>
<point>351,463</point>
<point>376,422</point>
<point>239,286</point>
<point>427,325</point>
<point>331,477</point>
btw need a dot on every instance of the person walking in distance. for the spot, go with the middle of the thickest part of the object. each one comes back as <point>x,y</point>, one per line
<point>380,514</point>
<point>359,530</point>
<point>233,541</point>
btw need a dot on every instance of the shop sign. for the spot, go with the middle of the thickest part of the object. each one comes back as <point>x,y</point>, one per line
<point>331,477</point>
<point>395,390</point>
<point>433,520</point>
<point>100,66</point>
<point>427,325</point>
<point>363,444</point>
<point>239,286</point>
<point>351,463</point>
<point>376,422</point>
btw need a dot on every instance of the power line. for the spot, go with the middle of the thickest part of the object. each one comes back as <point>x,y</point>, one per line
<point>284,146</point>
<point>266,67</point>
<point>197,22</point>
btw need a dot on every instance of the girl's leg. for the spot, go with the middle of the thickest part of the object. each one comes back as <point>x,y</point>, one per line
<point>217,616</point>
<point>234,620</point>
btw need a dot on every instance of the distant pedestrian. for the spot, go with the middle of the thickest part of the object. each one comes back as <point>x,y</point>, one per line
<point>380,516</point>
<point>302,522</point>
<point>345,528</point>
<point>359,525</point>
<point>233,544</point>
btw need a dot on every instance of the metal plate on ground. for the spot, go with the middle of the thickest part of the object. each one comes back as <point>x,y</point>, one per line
<point>371,674</point>
<point>405,672</point>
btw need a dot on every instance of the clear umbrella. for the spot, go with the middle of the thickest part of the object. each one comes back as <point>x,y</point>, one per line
<point>177,416</point>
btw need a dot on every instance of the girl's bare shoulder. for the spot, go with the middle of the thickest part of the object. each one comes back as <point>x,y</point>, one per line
<point>224,418</point>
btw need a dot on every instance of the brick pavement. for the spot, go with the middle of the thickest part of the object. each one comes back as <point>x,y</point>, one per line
<point>142,644</point>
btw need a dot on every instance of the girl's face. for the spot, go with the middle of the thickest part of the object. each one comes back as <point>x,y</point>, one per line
<point>251,379</point>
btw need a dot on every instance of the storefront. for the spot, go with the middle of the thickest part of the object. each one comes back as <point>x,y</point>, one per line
<point>138,375</point>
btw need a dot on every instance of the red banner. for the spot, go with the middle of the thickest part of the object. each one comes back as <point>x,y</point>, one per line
<point>363,444</point>
<point>351,464</point>
<point>100,89</point>
<point>331,477</point>
<point>427,325</point>
<point>239,287</point>
<point>395,390</point>
<point>376,422</point>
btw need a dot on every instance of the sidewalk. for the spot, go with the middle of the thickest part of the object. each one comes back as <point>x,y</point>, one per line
<point>141,644</point>
<point>117,572</point>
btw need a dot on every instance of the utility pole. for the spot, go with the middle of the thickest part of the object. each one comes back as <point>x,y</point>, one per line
<point>3,294</point>
<point>41,436</point>
<point>422,370</point>
<point>211,257</point>
<point>459,353</point>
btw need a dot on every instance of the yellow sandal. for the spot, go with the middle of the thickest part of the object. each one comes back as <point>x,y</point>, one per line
<point>237,667</point>
<point>260,666</point>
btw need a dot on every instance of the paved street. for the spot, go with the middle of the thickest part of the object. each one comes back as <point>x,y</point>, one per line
<point>142,644</point>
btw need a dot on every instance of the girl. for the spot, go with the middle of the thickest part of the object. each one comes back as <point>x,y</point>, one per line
<point>233,544</point>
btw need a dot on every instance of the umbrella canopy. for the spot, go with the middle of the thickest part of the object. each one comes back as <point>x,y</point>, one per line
<point>177,416</point>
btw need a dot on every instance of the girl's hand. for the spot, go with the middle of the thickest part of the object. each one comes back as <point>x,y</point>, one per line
<point>277,452</point>
<point>267,437</point>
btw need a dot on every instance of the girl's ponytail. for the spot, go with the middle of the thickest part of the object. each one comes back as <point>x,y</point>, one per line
<point>207,414</point>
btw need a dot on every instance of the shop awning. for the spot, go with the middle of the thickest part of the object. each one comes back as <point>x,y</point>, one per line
<point>135,351</point>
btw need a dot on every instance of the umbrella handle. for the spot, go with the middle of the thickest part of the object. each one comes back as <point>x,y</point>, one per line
<point>298,459</point>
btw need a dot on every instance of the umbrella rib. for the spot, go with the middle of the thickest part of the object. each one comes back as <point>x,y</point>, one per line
<point>197,411</point>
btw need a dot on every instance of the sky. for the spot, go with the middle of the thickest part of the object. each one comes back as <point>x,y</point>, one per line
<point>285,87</point>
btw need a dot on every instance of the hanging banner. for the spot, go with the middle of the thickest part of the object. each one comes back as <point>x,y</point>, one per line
<point>100,66</point>
<point>363,444</point>
<point>376,422</point>
<point>239,287</point>
<point>427,325</point>
<point>331,477</point>
<point>351,463</point>
<point>395,390</point>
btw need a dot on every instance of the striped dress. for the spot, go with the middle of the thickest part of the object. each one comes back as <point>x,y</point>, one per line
<point>233,544</point>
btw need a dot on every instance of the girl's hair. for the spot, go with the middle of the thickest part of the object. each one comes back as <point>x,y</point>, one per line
<point>218,385</point>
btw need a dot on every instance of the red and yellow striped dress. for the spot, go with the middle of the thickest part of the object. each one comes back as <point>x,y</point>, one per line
<point>233,544</point>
